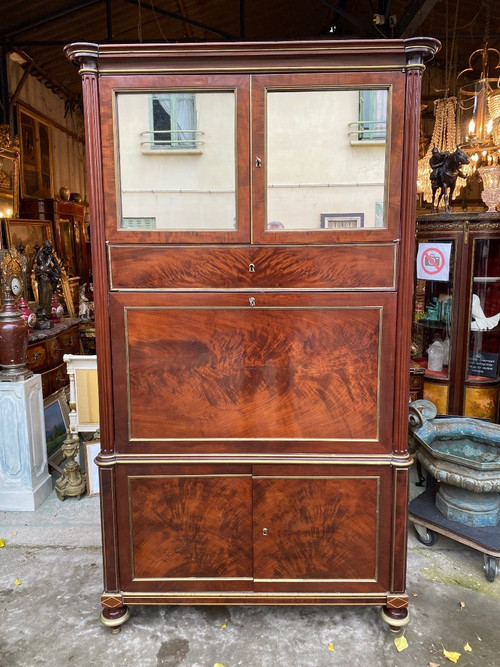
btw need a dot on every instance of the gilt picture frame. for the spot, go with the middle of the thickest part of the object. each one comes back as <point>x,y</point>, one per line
<point>30,234</point>
<point>92,449</point>
<point>36,155</point>
<point>56,416</point>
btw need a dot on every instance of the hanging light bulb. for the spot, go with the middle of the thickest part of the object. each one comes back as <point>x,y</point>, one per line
<point>476,116</point>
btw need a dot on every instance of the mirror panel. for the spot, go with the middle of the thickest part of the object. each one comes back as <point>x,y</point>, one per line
<point>326,153</point>
<point>177,160</point>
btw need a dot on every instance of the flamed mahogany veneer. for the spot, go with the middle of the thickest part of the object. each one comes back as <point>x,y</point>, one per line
<point>252,212</point>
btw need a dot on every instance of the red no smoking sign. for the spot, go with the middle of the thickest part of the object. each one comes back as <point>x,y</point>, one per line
<point>433,261</point>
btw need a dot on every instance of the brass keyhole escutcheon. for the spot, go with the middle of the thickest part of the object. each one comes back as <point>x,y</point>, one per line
<point>264,531</point>
<point>251,301</point>
<point>251,268</point>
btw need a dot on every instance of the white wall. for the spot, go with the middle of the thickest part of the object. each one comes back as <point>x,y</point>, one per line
<point>68,153</point>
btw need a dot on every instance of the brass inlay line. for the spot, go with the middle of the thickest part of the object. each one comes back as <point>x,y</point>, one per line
<point>193,579</point>
<point>237,290</point>
<point>257,476</point>
<point>287,69</point>
<point>239,439</point>
<point>253,594</point>
<point>314,581</point>
<point>258,49</point>
<point>225,476</point>
<point>249,246</point>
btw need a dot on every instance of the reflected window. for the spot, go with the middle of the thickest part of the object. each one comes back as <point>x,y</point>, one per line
<point>167,182</point>
<point>318,175</point>
<point>372,115</point>
<point>173,121</point>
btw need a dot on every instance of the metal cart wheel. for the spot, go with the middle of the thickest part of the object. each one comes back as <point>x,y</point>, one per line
<point>426,536</point>
<point>490,567</point>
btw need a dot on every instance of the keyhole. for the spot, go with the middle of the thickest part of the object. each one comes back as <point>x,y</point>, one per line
<point>251,268</point>
<point>258,162</point>
<point>264,531</point>
<point>251,301</point>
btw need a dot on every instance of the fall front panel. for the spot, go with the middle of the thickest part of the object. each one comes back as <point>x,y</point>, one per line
<point>266,369</point>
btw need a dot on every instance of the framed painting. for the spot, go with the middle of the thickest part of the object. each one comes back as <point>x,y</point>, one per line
<point>342,220</point>
<point>36,155</point>
<point>92,449</point>
<point>56,415</point>
<point>31,234</point>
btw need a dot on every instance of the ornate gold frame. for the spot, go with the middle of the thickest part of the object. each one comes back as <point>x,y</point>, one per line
<point>9,177</point>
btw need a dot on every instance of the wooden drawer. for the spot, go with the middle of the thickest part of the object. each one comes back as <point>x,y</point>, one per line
<point>45,354</point>
<point>36,357</point>
<point>54,379</point>
<point>342,267</point>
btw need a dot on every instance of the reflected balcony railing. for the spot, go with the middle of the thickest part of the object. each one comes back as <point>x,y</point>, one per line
<point>368,130</point>
<point>171,139</point>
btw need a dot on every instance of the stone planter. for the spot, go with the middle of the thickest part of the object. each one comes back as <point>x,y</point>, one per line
<point>463,454</point>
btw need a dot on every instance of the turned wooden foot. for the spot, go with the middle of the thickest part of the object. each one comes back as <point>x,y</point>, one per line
<point>395,618</point>
<point>115,618</point>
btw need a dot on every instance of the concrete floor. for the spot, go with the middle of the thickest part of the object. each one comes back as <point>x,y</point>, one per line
<point>52,616</point>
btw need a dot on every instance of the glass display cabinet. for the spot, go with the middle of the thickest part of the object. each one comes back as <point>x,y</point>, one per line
<point>252,212</point>
<point>456,332</point>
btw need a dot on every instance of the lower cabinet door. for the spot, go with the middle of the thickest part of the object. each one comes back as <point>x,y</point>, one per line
<point>321,531</point>
<point>185,530</point>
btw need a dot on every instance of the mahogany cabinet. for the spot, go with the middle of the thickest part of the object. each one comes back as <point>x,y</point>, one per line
<point>459,309</point>
<point>253,271</point>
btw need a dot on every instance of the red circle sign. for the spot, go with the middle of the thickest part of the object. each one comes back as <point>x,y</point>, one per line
<point>432,261</point>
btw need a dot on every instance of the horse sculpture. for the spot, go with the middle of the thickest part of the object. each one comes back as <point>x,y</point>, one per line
<point>445,170</point>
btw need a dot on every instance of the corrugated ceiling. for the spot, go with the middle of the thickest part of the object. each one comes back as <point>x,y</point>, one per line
<point>40,29</point>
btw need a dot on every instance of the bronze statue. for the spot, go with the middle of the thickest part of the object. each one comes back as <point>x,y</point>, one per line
<point>445,170</point>
<point>47,276</point>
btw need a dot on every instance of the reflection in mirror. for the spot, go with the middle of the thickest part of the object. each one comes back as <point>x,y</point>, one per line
<point>326,157</point>
<point>177,160</point>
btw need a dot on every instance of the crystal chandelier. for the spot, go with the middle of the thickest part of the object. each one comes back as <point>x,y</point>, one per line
<point>444,138</point>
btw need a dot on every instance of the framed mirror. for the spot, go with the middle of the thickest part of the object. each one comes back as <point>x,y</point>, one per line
<point>177,160</point>
<point>9,176</point>
<point>327,157</point>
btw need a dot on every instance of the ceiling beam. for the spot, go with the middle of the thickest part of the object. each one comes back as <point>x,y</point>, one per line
<point>184,19</point>
<point>412,17</point>
<point>25,27</point>
<point>342,12</point>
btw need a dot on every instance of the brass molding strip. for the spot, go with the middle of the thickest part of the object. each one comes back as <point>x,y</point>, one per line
<point>256,459</point>
<point>117,71</point>
<point>379,597</point>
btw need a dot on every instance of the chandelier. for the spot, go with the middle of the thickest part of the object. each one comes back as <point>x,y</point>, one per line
<point>478,120</point>
<point>444,138</point>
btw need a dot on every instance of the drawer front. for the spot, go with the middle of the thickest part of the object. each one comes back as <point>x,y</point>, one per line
<point>36,357</point>
<point>54,379</point>
<point>343,267</point>
<point>67,342</point>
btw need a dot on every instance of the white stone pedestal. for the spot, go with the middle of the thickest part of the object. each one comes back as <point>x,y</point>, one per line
<point>24,477</point>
